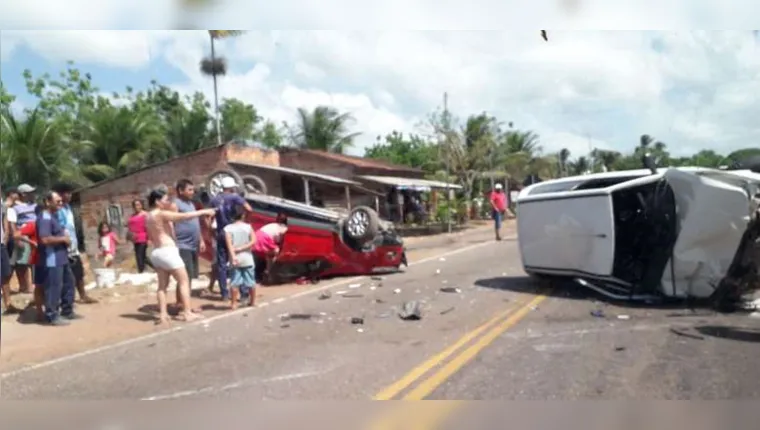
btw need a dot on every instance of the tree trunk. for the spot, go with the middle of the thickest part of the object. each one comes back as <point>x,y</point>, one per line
<point>217,120</point>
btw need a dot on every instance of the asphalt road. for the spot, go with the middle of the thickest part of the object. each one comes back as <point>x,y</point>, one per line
<point>542,343</point>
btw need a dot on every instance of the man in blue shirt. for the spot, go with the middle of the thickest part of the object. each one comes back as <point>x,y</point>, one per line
<point>53,264</point>
<point>65,217</point>
<point>225,202</point>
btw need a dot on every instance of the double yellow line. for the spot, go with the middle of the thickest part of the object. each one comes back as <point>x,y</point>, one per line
<point>473,342</point>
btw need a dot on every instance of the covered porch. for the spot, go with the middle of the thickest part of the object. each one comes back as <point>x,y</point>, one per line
<point>409,199</point>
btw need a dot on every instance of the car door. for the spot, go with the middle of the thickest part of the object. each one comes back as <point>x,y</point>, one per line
<point>568,232</point>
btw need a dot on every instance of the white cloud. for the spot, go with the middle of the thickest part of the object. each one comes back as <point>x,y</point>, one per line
<point>689,89</point>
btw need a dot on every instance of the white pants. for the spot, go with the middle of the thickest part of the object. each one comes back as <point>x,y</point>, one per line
<point>166,258</point>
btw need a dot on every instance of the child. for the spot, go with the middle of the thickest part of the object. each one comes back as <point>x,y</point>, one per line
<point>107,243</point>
<point>240,239</point>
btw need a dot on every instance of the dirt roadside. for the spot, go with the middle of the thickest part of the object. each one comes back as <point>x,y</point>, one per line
<point>125,312</point>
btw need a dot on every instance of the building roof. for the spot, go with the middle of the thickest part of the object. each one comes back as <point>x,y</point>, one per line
<point>297,172</point>
<point>409,182</point>
<point>355,161</point>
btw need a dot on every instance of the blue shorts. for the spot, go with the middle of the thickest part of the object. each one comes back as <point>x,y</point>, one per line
<point>243,277</point>
<point>496,219</point>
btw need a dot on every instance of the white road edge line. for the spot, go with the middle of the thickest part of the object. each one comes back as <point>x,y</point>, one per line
<point>206,321</point>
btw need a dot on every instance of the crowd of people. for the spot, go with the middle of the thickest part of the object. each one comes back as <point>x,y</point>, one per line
<point>40,245</point>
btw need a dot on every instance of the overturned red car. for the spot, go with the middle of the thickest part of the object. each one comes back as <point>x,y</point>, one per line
<point>319,243</point>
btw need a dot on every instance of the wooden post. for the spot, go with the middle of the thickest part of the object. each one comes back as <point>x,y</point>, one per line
<point>348,197</point>
<point>306,192</point>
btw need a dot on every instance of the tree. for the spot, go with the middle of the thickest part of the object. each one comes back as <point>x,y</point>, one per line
<point>239,120</point>
<point>413,151</point>
<point>564,157</point>
<point>324,129</point>
<point>580,166</point>
<point>270,135</point>
<point>122,138</point>
<point>36,150</point>
<point>215,67</point>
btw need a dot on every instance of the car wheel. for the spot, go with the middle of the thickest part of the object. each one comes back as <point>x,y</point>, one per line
<point>214,181</point>
<point>362,224</point>
<point>253,184</point>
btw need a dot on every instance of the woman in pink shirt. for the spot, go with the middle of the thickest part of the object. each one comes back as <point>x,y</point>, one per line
<point>138,235</point>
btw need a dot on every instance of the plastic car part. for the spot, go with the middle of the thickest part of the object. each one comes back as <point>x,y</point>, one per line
<point>214,181</point>
<point>362,224</point>
<point>254,184</point>
<point>623,297</point>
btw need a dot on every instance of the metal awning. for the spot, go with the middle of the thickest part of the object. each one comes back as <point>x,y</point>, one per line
<point>316,177</point>
<point>410,183</point>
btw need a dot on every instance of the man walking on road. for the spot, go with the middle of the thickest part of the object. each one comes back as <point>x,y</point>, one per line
<point>187,232</point>
<point>499,208</point>
<point>225,204</point>
<point>66,219</point>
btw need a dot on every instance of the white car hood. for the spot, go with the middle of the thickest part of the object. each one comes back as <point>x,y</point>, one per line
<point>713,212</point>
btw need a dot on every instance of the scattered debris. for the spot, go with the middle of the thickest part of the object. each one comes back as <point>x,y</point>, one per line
<point>380,301</point>
<point>411,311</point>
<point>289,317</point>
<point>450,290</point>
<point>325,295</point>
<point>340,293</point>
<point>377,278</point>
<point>442,259</point>
<point>372,288</point>
<point>354,286</point>
<point>285,326</point>
<point>503,273</point>
<point>353,296</point>
<point>446,311</point>
<point>397,291</point>
<point>619,348</point>
<point>533,308</point>
<point>384,315</point>
<point>689,335</point>
<point>598,313</point>
<point>360,330</point>
<point>357,321</point>
<point>623,317</point>
<point>437,271</point>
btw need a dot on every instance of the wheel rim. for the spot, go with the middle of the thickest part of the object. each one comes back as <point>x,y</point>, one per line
<point>358,224</point>
<point>215,184</point>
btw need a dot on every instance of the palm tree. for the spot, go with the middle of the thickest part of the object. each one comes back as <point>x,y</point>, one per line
<point>121,139</point>
<point>215,67</point>
<point>37,151</point>
<point>580,166</point>
<point>522,141</point>
<point>323,129</point>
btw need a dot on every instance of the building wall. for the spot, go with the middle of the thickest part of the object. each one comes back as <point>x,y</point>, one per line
<point>116,195</point>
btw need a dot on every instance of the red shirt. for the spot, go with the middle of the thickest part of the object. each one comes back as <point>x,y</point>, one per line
<point>136,226</point>
<point>499,200</point>
<point>30,230</point>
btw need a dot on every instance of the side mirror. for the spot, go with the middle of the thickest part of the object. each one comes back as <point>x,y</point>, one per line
<point>649,162</point>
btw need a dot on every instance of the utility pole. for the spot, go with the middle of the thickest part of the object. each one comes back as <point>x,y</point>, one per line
<point>447,123</point>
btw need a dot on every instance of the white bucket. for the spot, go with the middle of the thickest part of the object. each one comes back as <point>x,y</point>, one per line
<point>105,278</point>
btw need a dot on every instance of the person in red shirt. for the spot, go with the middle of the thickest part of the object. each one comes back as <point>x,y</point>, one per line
<point>499,208</point>
<point>30,231</point>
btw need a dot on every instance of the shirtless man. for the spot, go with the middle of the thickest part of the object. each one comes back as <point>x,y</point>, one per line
<point>165,255</point>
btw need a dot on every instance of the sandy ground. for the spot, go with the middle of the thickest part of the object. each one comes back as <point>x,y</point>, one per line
<point>125,312</point>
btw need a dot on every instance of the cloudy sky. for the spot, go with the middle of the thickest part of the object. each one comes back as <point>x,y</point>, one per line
<point>690,89</point>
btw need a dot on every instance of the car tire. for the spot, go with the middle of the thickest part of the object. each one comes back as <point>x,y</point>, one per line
<point>213,181</point>
<point>254,184</point>
<point>362,224</point>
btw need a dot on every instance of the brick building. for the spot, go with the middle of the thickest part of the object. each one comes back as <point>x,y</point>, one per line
<point>112,199</point>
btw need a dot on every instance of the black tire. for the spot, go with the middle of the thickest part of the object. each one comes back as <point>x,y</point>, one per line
<point>254,184</point>
<point>362,224</point>
<point>212,182</point>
